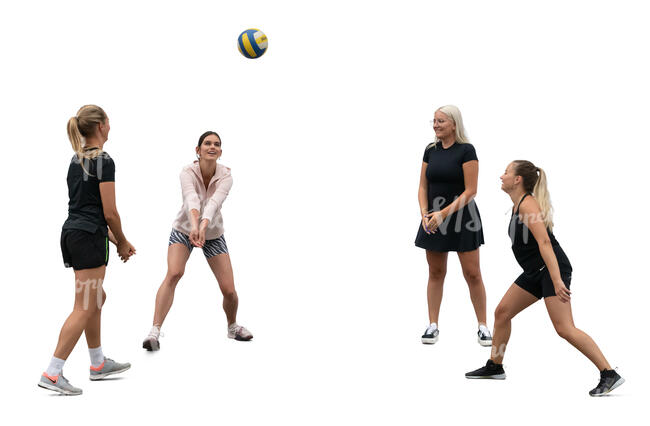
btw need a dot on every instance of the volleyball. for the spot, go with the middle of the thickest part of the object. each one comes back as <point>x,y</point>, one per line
<point>252,43</point>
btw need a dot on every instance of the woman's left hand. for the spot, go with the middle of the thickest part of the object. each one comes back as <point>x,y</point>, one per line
<point>435,219</point>
<point>202,228</point>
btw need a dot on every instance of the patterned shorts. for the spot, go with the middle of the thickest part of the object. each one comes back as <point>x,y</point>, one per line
<point>210,248</point>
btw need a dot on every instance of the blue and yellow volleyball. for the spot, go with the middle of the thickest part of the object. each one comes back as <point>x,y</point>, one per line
<point>252,43</point>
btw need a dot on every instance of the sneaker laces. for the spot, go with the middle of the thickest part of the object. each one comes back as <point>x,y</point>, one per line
<point>430,329</point>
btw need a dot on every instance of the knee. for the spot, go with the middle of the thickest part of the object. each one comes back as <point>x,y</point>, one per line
<point>502,313</point>
<point>174,276</point>
<point>436,273</point>
<point>230,294</point>
<point>473,277</point>
<point>564,331</point>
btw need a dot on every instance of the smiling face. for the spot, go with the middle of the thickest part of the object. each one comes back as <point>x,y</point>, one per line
<point>509,180</point>
<point>210,148</point>
<point>443,125</point>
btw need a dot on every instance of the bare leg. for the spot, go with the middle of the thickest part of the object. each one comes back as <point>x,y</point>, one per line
<point>222,270</point>
<point>177,255</point>
<point>437,270</point>
<point>93,327</point>
<point>562,319</point>
<point>514,301</point>
<point>470,263</point>
<point>88,286</point>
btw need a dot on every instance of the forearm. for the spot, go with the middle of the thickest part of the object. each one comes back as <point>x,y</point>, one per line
<point>194,218</point>
<point>115,224</point>
<point>546,250</point>
<point>464,199</point>
<point>423,201</point>
<point>111,237</point>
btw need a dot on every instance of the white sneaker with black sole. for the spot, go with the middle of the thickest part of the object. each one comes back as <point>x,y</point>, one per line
<point>430,335</point>
<point>484,336</point>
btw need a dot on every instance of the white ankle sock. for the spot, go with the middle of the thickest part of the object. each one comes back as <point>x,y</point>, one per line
<point>96,356</point>
<point>155,331</point>
<point>56,366</point>
<point>484,329</point>
<point>434,325</point>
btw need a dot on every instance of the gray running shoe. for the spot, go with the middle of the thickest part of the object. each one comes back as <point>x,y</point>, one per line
<point>239,332</point>
<point>107,368</point>
<point>58,384</point>
<point>609,380</point>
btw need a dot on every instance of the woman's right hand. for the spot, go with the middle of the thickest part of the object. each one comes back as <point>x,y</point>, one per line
<point>194,237</point>
<point>426,217</point>
<point>125,250</point>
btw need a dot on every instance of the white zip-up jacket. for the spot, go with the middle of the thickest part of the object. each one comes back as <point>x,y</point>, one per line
<point>207,202</point>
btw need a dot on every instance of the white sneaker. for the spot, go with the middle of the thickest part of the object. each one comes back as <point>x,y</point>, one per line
<point>430,335</point>
<point>238,332</point>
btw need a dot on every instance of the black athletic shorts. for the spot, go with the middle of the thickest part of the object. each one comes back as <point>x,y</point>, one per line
<point>83,250</point>
<point>539,283</point>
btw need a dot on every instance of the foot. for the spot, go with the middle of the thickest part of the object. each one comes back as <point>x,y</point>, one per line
<point>58,384</point>
<point>490,371</point>
<point>609,380</point>
<point>239,332</point>
<point>484,336</point>
<point>151,343</point>
<point>430,335</point>
<point>108,368</point>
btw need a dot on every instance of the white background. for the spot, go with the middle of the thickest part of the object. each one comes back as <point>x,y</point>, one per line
<point>325,135</point>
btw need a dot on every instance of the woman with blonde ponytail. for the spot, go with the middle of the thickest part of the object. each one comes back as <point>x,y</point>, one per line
<point>547,274</point>
<point>92,221</point>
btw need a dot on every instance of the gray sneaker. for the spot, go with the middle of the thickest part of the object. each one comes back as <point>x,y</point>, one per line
<point>58,384</point>
<point>107,368</point>
<point>238,332</point>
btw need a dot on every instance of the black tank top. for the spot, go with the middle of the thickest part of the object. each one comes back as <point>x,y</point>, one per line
<point>525,247</point>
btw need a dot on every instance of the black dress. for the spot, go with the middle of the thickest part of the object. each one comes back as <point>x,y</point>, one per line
<point>462,230</point>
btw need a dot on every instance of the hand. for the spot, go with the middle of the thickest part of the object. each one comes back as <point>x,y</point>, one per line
<point>125,250</point>
<point>202,228</point>
<point>562,292</point>
<point>194,237</point>
<point>435,220</point>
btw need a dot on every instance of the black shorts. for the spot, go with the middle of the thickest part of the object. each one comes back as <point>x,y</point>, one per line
<point>539,283</point>
<point>83,250</point>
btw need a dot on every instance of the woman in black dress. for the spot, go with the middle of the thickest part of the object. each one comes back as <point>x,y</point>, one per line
<point>450,218</point>
<point>546,274</point>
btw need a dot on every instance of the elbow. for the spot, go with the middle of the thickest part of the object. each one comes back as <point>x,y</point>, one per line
<point>111,215</point>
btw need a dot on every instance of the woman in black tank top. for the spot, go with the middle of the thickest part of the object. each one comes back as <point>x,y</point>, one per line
<point>546,274</point>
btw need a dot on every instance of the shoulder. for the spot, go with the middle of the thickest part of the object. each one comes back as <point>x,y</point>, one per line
<point>529,206</point>
<point>467,147</point>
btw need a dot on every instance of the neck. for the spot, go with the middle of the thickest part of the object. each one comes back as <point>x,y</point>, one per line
<point>94,141</point>
<point>208,167</point>
<point>447,141</point>
<point>516,194</point>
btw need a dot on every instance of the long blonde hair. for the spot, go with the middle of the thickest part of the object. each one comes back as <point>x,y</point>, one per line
<point>534,181</point>
<point>454,115</point>
<point>82,125</point>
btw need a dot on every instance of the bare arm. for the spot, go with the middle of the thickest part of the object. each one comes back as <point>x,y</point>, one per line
<point>111,237</point>
<point>423,190</point>
<point>470,172</point>
<point>532,218</point>
<point>107,193</point>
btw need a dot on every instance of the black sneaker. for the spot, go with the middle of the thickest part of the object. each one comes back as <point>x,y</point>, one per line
<point>430,335</point>
<point>609,380</point>
<point>490,371</point>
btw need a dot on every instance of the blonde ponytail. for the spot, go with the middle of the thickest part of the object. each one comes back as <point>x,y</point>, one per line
<point>540,191</point>
<point>81,126</point>
<point>534,182</point>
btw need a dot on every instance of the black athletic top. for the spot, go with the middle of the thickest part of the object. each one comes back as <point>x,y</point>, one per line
<point>462,230</point>
<point>445,172</point>
<point>85,209</point>
<point>525,247</point>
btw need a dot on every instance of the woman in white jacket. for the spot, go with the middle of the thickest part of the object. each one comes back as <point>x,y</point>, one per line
<point>205,184</point>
